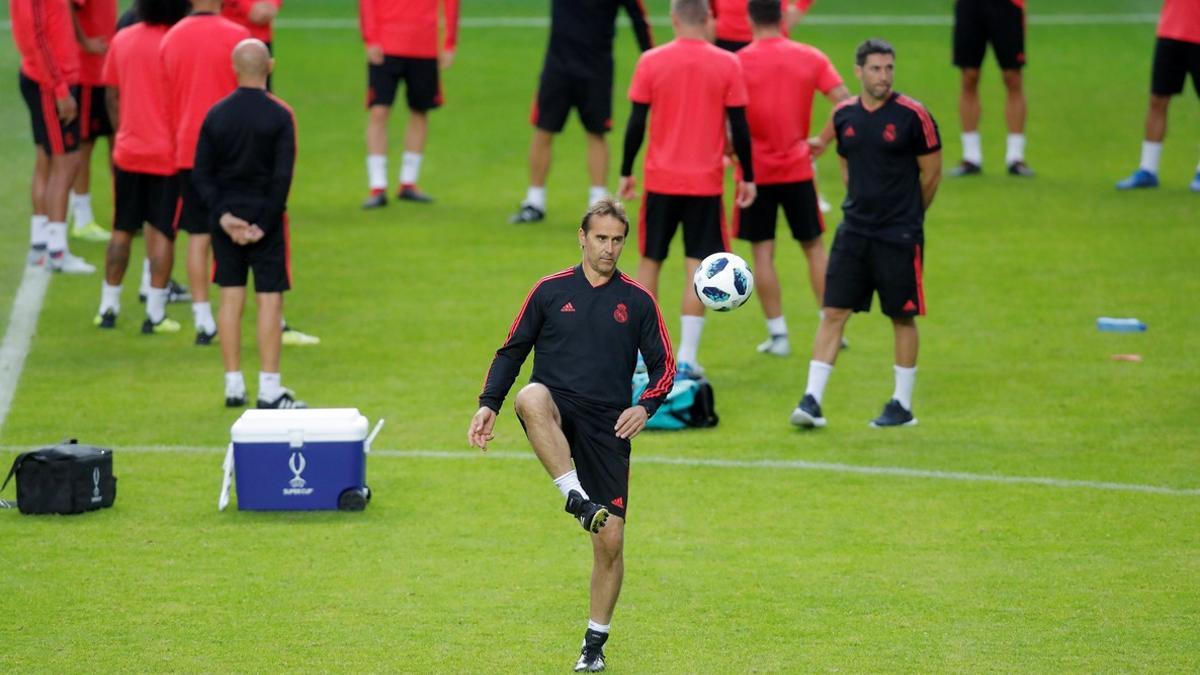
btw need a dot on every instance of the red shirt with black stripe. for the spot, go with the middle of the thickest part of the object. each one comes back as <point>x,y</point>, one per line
<point>585,342</point>
<point>45,38</point>
<point>881,146</point>
<point>145,140</point>
<point>408,27</point>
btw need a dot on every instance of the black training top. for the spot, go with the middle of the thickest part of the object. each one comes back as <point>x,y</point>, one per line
<point>883,198</point>
<point>582,32</point>
<point>245,157</point>
<point>585,342</point>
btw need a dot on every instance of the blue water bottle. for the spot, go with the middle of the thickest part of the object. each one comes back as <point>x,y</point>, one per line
<point>1107,323</point>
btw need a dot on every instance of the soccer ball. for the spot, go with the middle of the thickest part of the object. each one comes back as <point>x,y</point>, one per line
<point>723,281</point>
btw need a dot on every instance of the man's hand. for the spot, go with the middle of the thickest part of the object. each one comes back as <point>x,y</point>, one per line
<point>375,55</point>
<point>631,422</point>
<point>746,193</point>
<point>816,147</point>
<point>94,45</point>
<point>67,109</point>
<point>254,233</point>
<point>445,59</point>
<point>627,188</point>
<point>481,428</point>
<point>261,13</point>
<point>236,228</point>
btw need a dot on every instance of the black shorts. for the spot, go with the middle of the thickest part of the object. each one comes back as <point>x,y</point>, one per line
<point>601,458</point>
<point>93,113</point>
<point>731,45</point>
<point>269,258</point>
<point>422,88</point>
<point>140,198</point>
<point>799,202</point>
<point>1174,60</point>
<point>703,219</point>
<point>50,133</point>
<point>193,216</point>
<point>859,266</point>
<point>978,22</point>
<point>558,92</point>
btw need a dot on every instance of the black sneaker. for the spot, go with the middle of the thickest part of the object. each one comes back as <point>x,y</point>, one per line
<point>106,320</point>
<point>894,415</point>
<point>965,168</point>
<point>204,338</point>
<point>591,657</point>
<point>166,325</point>
<point>589,514</point>
<point>1021,169</point>
<point>378,199</point>
<point>528,214</point>
<point>235,401</point>
<point>807,414</point>
<point>286,401</point>
<point>411,193</point>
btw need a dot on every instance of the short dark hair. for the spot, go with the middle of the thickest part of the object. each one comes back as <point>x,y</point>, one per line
<point>872,46</point>
<point>691,12</point>
<point>605,207</point>
<point>162,12</point>
<point>765,12</point>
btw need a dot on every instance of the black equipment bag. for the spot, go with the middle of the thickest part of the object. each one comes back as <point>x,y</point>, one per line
<point>67,478</point>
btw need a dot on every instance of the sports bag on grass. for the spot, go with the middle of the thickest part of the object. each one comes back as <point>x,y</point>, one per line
<point>67,478</point>
<point>689,405</point>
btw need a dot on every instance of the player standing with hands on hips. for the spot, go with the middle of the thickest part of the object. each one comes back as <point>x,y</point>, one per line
<point>585,325</point>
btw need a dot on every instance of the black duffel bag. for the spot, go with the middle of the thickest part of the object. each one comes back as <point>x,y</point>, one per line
<point>67,478</point>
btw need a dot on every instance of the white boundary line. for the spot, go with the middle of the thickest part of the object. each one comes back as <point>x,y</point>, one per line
<point>22,324</point>
<point>769,464</point>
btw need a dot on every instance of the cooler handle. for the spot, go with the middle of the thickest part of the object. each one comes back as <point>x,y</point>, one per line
<point>227,481</point>
<point>371,438</point>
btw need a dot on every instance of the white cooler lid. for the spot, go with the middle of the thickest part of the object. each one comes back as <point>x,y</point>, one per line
<point>312,425</point>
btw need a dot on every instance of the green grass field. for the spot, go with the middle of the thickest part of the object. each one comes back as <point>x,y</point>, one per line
<point>751,547</point>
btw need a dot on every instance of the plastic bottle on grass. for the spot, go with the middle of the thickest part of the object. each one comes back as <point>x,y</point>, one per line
<point>1107,323</point>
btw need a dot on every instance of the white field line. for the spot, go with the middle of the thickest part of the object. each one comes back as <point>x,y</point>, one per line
<point>22,324</point>
<point>751,464</point>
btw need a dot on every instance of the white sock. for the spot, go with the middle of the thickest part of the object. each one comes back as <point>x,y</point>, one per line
<point>536,197</point>
<point>235,385</point>
<point>596,193</point>
<point>1015,149</point>
<point>81,206</point>
<point>156,304</point>
<point>777,326</point>
<point>37,231</point>
<point>270,386</point>
<point>410,168</point>
<point>689,338</point>
<point>1151,154</point>
<point>144,288</point>
<point>599,627</point>
<point>377,172</point>
<point>56,237</point>
<point>972,148</point>
<point>818,377</point>
<point>569,481</point>
<point>110,298</point>
<point>202,317</point>
<point>905,377</point>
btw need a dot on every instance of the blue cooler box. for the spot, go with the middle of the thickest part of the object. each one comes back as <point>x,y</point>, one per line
<point>299,460</point>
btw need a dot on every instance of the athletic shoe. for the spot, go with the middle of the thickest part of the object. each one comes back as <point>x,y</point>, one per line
<point>378,199</point>
<point>641,364</point>
<point>1194,186</point>
<point>167,325</point>
<point>688,371</point>
<point>411,193</point>
<point>176,293</point>
<point>591,657</point>
<point>37,256</point>
<point>822,204</point>
<point>589,514</point>
<point>807,414</point>
<point>1139,179</point>
<point>528,214</point>
<point>67,263</point>
<point>894,415</point>
<point>106,320</point>
<point>965,168</point>
<point>295,338</point>
<point>235,400</point>
<point>1021,169</point>
<point>204,338</point>
<point>776,345</point>
<point>286,400</point>
<point>91,232</point>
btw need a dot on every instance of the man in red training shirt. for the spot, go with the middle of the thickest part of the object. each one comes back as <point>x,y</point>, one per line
<point>94,21</point>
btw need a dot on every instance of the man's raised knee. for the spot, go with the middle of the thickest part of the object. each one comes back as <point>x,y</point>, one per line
<point>534,400</point>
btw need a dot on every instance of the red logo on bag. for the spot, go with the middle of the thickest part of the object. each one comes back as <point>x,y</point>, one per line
<point>889,133</point>
<point>621,313</point>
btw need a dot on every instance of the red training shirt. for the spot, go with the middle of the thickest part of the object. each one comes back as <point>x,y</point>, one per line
<point>45,38</point>
<point>407,27</point>
<point>145,140</point>
<point>197,62</point>
<point>687,83</point>
<point>781,79</point>
<point>1180,20</point>
<point>97,18</point>
<point>733,19</point>
<point>238,11</point>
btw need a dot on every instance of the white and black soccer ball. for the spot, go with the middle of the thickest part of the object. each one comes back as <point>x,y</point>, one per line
<point>723,281</point>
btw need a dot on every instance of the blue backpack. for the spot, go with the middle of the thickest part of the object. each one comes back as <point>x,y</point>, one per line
<point>689,405</point>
